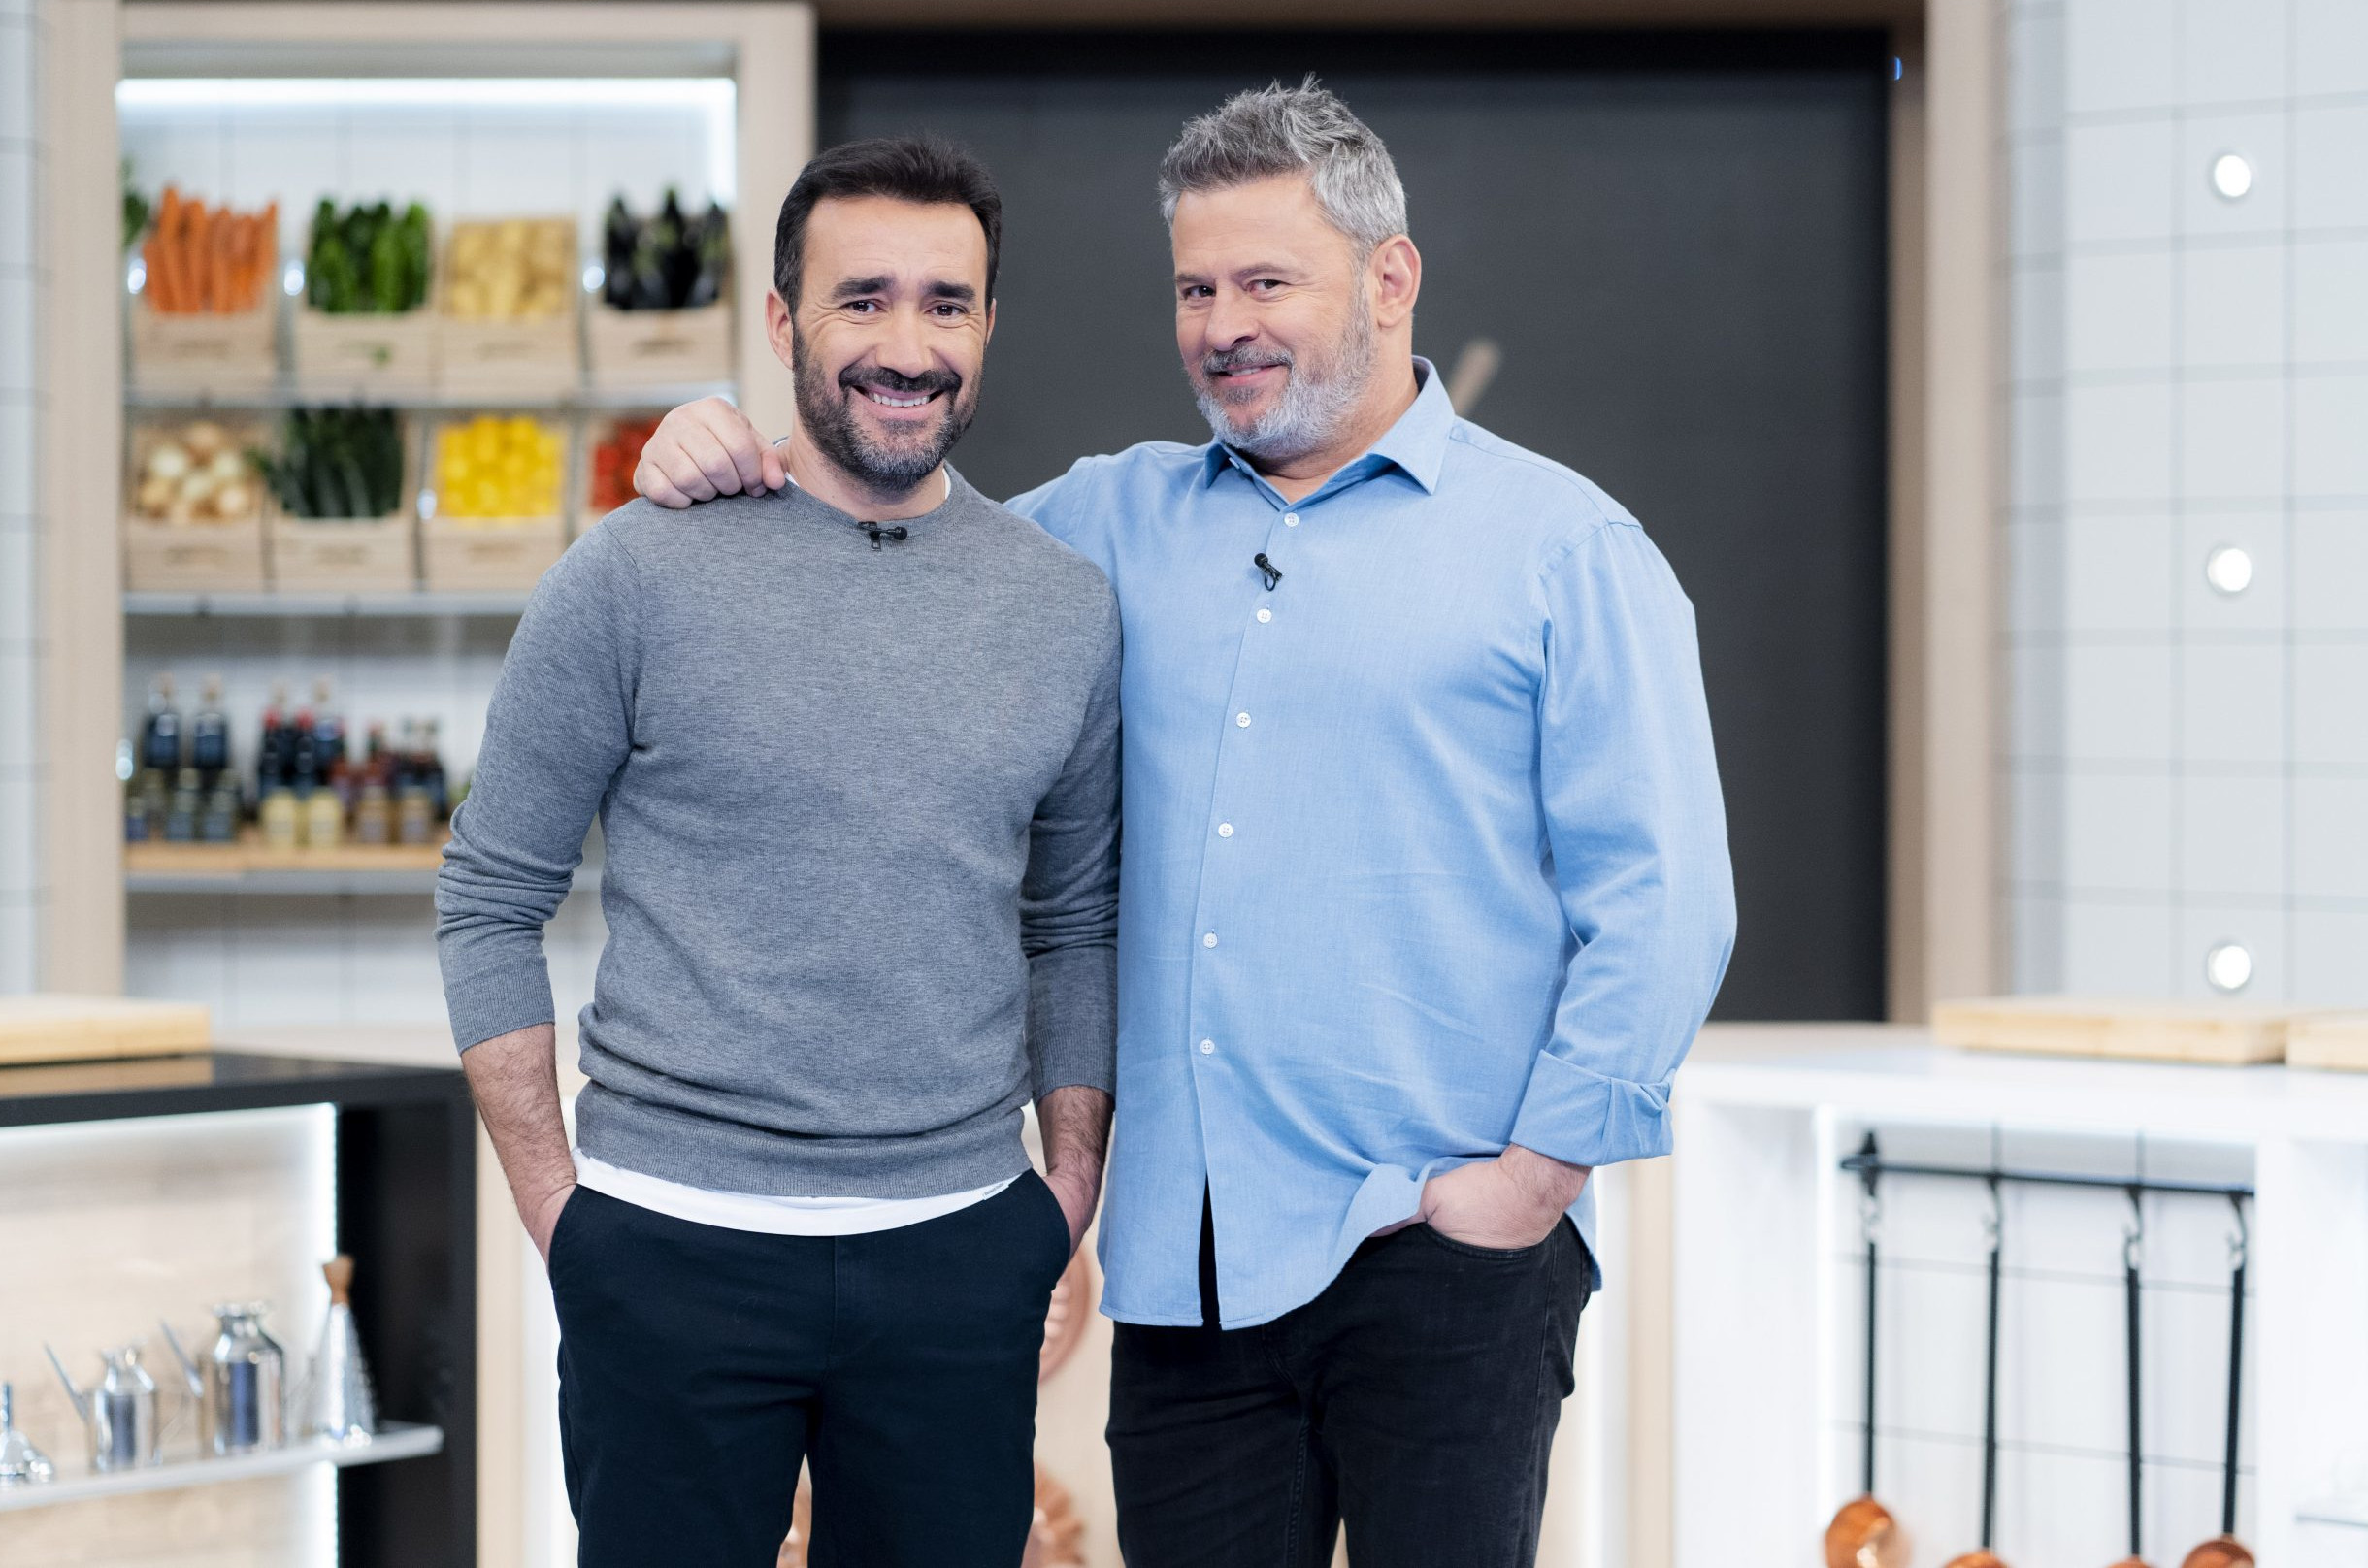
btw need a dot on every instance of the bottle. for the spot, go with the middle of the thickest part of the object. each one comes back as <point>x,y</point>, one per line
<point>304,756</point>
<point>432,773</point>
<point>271,747</point>
<point>181,811</point>
<point>324,820</point>
<point>283,817</point>
<point>209,733</point>
<point>329,746</point>
<point>160,735</point>
<point>219,822</point>
<point>374,815</point>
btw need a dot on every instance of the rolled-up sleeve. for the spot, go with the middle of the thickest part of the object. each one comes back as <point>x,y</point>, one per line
<point>1638,834</point>
<point>558,729</point>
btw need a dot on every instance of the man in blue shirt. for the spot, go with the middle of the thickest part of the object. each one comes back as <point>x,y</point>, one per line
<point>1425,886</point>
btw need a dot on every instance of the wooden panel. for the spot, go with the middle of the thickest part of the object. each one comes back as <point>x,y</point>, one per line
<point>2336,1040</point>
<point>2098,1027</point>
<point>59,1028</point>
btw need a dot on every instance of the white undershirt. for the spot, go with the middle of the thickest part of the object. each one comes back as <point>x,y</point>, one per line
<point>772,1216</point>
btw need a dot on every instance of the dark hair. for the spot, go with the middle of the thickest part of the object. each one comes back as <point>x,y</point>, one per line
<point>908,168</point>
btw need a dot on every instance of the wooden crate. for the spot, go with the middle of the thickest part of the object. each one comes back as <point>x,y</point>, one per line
<point>340,555</point>
<point>311,555</point>
<point>538,357</point>
<point>628,351</point>
<point>487,554</point>
<point>2225,1033</point>
<point>181,558</point>
<point>204,354</point>
<point>595,432</point>
<point>56,1027</point>
<point>363,356</point>
<point>2333,1040</point>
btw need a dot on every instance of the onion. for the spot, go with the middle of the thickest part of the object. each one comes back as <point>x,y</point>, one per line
<point>167,461</point>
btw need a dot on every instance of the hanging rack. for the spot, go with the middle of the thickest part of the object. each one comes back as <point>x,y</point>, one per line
<point>1869,1166</point>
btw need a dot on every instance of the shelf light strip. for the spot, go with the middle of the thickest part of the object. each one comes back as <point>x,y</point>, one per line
<point>714,98</point>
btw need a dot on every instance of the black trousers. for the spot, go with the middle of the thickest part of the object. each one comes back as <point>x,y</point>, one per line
<point>698,1366</point>
<point>1414,1401</point>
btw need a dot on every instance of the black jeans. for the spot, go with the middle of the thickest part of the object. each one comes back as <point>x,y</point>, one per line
<point>1414,1401</point>
<point>698,1366</point>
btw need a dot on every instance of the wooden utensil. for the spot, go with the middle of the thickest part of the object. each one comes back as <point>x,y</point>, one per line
<point>2131,1246</point>
<point>1863,1533</point>
<point>2225,1550</point>
<point>1983,1558</point>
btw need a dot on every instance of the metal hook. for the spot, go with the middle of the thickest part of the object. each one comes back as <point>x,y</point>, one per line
<point>2133,1239</point>
<point>1993,1224</point>
<point>1871,1202</point>
<point>2240,1241</point>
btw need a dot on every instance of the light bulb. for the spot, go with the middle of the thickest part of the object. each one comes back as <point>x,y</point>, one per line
<point>2228,570</point>
<point>2231,175</point>
<point>2229,967</point>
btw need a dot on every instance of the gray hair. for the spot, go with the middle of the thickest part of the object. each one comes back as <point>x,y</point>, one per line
<point>1279,130</point>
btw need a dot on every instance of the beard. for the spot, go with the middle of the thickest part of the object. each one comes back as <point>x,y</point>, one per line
<point>1316,400</point>
<point>895,466</point>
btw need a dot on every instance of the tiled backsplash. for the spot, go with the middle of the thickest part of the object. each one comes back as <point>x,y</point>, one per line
<point>20,876</point>
<point>2189,764</point>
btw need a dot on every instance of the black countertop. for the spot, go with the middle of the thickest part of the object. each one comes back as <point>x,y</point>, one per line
<point>50,1092</point>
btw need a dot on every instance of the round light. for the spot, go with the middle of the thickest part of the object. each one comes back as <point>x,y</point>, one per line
<point>135,277</point>
<point>2229,967</point>
<point>595,275</point>
<point>2231,175</point>
<point>291,280</point>
<point>2228,570</point>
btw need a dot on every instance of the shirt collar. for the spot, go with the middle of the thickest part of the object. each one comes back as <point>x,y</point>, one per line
<point>1416,445</point>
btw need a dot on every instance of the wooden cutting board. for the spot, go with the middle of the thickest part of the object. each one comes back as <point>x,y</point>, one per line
<point>59,1028</point>
<point>2233,1032</point>
<point>2337,1040</point>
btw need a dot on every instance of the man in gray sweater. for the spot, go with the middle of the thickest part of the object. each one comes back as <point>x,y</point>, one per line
<point>854,750</point>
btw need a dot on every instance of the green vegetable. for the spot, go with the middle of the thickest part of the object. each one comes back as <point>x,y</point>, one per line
<point>134,210</point>
<point>337,464</point>
<point>367,260</point>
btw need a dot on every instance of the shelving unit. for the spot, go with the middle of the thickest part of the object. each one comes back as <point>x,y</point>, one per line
<point>1766,1348</point>
<point>557,400</point>
<point>396,1440</point>
<point>418,602</point>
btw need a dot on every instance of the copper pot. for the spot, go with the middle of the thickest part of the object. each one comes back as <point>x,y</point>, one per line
<point>2220,1551</point>
<point>1977,1559</point>
<point>1865,1535</point>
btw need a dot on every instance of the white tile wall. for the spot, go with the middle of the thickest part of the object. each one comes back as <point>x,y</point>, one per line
<point>20,643</point>
<point>366,959</point>
<point>2189,766</point>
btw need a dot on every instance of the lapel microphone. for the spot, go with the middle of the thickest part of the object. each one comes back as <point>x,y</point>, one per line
<point>875,533</point>
<point>1265,568</point>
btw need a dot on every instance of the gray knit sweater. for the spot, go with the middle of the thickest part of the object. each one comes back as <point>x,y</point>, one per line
<point>860,799</point>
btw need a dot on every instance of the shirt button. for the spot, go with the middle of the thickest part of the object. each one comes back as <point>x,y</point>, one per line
<point>1225,830</point>
<point>1209,941</point>
<point>1290,519</point>
<point>1209,1048</point>
<point>1241,721</point>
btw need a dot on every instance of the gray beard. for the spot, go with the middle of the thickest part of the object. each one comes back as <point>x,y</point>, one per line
<point>1315,402</point>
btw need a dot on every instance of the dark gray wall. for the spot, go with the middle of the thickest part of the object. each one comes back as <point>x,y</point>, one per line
<point>1679,243</point>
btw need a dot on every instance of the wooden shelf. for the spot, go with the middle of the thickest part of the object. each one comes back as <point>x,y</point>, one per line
<point>251,867</point>
<point>504,605</point>
<point>558,400</point>
<point>394,1441</point>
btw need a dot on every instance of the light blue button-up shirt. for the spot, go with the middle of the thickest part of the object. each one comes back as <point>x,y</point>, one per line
<point>1424,853</point>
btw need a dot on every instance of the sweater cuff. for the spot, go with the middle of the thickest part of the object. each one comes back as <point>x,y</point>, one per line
<point>1072,1018</point>
<point>1582,1118</point>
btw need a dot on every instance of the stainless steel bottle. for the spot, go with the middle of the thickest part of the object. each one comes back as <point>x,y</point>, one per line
<point>21,1465</point>
<point>246,1376</point>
